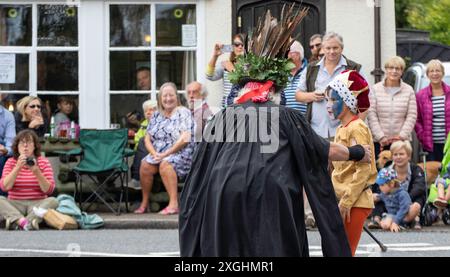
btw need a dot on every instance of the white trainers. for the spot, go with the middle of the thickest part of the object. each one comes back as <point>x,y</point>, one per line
<point>134,184</point>
<point>8,224</point>
<point>35,224</point>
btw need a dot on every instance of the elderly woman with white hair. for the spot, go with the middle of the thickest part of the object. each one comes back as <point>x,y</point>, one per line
<point>169,142</point>
<point>411,179</point>
<point>433,112</point>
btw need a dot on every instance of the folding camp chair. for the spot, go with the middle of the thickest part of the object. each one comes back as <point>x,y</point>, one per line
<point>103,160</point>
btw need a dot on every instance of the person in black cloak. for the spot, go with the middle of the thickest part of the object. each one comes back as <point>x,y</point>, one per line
<point>243,195</point>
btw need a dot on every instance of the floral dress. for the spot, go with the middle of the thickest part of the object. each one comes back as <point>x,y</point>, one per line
<point>165,131</point>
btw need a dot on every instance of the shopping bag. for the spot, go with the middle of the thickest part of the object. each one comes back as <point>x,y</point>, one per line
<point>60,221</point>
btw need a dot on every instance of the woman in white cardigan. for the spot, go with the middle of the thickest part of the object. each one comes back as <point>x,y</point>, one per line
<point>393,111</point>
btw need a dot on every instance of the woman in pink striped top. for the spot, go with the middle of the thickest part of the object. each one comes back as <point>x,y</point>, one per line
<point>28,179</point>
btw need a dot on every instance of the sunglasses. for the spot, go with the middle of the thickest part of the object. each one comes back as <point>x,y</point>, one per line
<point>237,44</point>
<point>315,45</point>
<point>35,106</point>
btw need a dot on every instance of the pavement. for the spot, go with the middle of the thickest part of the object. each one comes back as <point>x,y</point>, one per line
<point>157,221</point>
<point>139,221</point>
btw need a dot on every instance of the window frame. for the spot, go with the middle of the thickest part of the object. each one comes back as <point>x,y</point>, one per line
<point>33,50</point>
<point>153,49</point>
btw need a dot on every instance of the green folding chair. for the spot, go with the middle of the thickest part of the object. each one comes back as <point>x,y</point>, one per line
<point>103,160</point>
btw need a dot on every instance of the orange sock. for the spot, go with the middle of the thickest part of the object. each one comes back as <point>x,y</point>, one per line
<point>354,229</point>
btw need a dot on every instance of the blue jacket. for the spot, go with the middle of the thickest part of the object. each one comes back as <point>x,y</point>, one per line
<point>68,206</point>
<point>397,204</point>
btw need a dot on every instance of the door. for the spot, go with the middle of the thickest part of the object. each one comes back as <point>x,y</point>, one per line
<point>247,12</point>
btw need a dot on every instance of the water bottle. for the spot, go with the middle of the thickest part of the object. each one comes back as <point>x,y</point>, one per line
<point>52,127</point>
<point>72,130</point>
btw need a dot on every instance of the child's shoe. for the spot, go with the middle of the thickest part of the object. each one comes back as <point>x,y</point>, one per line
<point>440,203</point>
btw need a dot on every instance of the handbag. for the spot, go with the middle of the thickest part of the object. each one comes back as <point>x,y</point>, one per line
<point>60,221</point>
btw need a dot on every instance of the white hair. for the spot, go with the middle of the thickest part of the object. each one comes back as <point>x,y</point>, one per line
<point>331,35</point>
<point>149,104</point>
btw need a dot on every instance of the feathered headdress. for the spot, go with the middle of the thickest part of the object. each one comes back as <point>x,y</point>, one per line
<point>266,60</point>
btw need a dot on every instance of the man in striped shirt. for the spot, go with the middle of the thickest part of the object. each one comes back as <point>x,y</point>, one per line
<point>296,54</point>
<point>28,179</point>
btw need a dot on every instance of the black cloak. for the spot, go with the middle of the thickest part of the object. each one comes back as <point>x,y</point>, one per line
<point>238,201</point>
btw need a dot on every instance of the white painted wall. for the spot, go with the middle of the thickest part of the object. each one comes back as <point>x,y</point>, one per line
<point>93,95</point>
<point>354,20</point>
<point>218,29</point>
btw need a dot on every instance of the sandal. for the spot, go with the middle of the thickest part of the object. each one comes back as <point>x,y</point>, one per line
<point>141,210</point>
<point>169,211</point>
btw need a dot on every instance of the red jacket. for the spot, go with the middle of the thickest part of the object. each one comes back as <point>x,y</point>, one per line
<point>424,123</point>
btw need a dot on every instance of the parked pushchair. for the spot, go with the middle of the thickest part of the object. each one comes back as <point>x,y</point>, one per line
<point>430,213</point>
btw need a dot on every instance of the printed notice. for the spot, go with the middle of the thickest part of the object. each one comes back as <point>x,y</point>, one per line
<point>7,68</point>
<point>189,35</point>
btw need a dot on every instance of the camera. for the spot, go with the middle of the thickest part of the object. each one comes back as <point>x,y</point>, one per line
<point>227,48</point>
<point>30,161</point>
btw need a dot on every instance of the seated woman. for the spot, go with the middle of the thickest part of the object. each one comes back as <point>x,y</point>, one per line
<point>28,179</point>
<point>170,144</point>
<point>30,116</point>
<point>411,179</point>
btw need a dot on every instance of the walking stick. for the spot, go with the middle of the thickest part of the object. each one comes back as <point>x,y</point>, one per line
<point>382,246</point>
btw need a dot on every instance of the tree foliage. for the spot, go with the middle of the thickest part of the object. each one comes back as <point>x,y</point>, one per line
<point>428,15</point>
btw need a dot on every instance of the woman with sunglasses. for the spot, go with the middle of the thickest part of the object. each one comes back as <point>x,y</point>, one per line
<point>216,71</point>
<point>30,116</point>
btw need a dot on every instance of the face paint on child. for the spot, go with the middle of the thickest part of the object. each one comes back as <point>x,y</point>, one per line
<point>335,104</point>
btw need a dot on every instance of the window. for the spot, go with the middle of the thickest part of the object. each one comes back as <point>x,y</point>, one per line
<point>16,20</point>
<point>149,44</point>
<point>40,45</point>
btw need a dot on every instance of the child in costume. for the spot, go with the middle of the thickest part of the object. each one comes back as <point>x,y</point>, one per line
<point>347,97</point>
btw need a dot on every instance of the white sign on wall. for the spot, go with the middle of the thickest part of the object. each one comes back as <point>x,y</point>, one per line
<point>7,68</point>
<point>189,35</point>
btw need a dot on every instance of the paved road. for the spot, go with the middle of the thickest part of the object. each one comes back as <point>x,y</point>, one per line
<point>112,243</point>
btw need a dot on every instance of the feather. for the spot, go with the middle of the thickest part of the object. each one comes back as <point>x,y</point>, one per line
<point>272,38</point>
